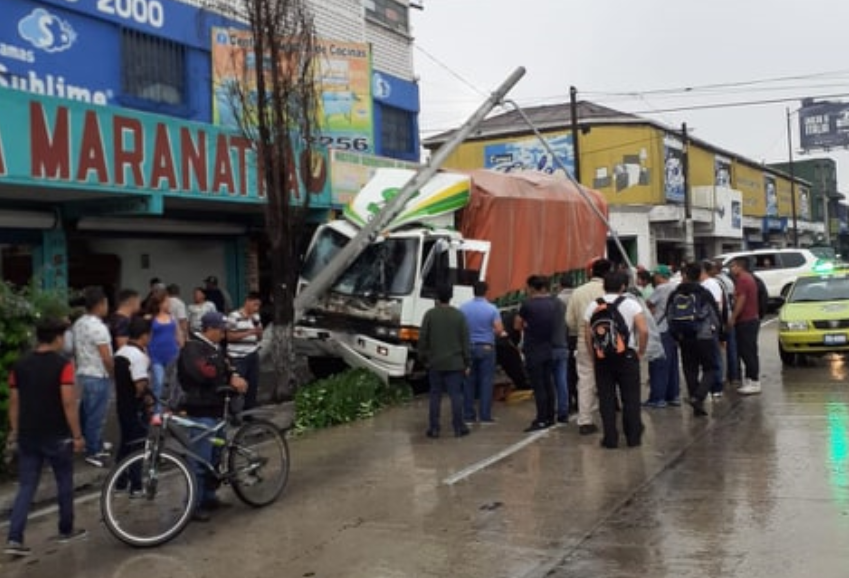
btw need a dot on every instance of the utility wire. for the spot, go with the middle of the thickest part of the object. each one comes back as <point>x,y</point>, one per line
<point>451,71</point>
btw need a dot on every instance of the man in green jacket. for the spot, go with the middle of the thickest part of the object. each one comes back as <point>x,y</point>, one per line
<point>445,350</point>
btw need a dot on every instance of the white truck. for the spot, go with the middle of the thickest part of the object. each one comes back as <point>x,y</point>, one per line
<point>457,229</point>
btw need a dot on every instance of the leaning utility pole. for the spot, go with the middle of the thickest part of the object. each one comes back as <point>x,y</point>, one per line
<point>576,131</point>
<point>325,279</point>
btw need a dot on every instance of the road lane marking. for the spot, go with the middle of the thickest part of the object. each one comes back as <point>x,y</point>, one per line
<point>495,458</point>
<point>769,321</point>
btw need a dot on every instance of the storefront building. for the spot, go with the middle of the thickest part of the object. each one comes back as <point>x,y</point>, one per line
<point>119,162</point>
<point>639,166</point>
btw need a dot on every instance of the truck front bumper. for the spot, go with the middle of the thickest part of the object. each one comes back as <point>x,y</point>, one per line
<point>387,360</point>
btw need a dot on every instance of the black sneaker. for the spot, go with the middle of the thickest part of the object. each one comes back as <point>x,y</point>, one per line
<point>609,445</point>
<point>215,504</point>
<point>563,418</point>
<point>432,433</point>
<point>537,426</point>
<point>462,433</point>
<point>17,549</point>
<point>72,536</point>
<point>588,429</point>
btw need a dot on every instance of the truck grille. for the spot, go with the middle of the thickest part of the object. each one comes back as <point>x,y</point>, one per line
<point>832,324</point>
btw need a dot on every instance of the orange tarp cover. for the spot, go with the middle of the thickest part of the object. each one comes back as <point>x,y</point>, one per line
<point>537,224</point>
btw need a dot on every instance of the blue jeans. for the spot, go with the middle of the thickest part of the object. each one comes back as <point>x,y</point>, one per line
<point>95,402</point>
<point>664,374</point>
<point>204,448</point>
<point>732,358</point>
<point>157,383</point>
<point>560,370</point>
<point>452,382</point>
<point>248,368</point>
<point>718,380</point>
<point>32,454</point>
<point>479,382</point>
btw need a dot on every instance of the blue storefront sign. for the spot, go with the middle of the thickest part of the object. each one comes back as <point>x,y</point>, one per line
<point>73,49</point>
<point>530,155</point>
<point>775,224</point>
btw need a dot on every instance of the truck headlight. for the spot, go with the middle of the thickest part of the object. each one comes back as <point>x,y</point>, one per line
<point>794,326</point>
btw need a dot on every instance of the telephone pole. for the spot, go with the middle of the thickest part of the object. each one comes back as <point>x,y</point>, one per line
<point>689,233</point>
<point>576,131</point>
<point>791,170</point>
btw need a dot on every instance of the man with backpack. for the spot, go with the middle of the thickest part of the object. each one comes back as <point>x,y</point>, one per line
<point>582,297</point>
<point>617,336</point>
<point>746,320</point>
<point>693,318</point>
<point>732,358</point>
<point>711,282</point>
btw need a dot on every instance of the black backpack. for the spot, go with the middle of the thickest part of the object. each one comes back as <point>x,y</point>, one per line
<point>763,297</point>
<point>610,333</point>
<point>685,314</point>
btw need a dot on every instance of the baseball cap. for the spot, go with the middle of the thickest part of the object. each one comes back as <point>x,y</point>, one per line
<point>663,271</point>
<point>212,280</point>
<point>213,320</point>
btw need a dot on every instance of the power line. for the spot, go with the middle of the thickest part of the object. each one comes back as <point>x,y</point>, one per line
<point>450,70</point>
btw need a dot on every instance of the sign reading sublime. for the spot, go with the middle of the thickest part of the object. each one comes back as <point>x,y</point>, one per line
<point>51,142</point>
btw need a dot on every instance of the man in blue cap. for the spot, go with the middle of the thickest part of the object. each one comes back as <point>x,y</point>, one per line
<point>203,368</point>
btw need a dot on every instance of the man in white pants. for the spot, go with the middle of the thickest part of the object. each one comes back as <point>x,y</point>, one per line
<point>578,303</point>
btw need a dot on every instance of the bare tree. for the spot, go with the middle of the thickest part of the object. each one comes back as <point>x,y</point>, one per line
<point>276,104</point>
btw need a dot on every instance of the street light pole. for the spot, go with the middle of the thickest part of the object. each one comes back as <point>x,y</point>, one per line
<point>689,233</point>
<point>790,168</point>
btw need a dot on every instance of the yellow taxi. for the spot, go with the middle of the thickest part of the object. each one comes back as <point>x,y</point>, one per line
<point>814,319</point>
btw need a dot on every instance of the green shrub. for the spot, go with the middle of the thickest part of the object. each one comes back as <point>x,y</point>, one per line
<point>344,398</point>
<point>20,309</point>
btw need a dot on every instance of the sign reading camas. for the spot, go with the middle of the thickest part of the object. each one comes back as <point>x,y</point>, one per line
<point>52,142</point>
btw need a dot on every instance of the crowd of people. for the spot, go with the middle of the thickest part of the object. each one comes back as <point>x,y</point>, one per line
<point>61,391</point>
<point>584,347</point>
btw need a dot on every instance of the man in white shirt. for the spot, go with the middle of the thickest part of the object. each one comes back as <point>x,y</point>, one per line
<point>244,336</point>
<point>620,368</point>
<point>177,307</point>
<point>714,286</point>
<point>94,365</point>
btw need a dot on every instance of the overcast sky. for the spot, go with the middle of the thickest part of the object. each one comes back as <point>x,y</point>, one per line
<point>604,47</point>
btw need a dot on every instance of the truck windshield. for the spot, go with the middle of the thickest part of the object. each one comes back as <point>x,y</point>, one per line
<point>326,246</point>
<point>383,269</point>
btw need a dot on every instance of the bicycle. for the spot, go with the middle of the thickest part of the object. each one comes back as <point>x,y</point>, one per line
<point>254,461</point>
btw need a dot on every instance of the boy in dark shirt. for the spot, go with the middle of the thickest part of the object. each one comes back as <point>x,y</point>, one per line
<point>44,419</point>
<point>132,396</point>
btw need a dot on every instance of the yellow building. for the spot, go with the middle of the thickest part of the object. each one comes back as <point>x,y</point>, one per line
<point>644,169</point>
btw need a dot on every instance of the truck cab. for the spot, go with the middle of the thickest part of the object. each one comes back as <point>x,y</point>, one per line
<point>371,315</point>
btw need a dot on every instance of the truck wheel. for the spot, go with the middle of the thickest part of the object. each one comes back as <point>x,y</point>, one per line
<point>324,367</point>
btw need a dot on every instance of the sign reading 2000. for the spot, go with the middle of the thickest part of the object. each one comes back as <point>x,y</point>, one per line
<point>148,12</point>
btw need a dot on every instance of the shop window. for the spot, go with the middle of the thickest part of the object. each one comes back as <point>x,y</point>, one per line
<point>390,13</point>
<point>396,132</point>
<point>152,69</point>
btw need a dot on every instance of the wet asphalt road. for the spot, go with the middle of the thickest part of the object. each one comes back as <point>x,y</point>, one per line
<point>761,488</point>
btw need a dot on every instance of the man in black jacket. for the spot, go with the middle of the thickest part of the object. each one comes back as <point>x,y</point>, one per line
<point>203,368</point>
<point>696,329</point>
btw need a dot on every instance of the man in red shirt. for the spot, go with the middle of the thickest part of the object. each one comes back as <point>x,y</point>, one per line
<point>44,419</point>
<point>746,322</point>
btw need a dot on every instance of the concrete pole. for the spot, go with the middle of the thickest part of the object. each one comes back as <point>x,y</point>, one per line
<point>340,263</point>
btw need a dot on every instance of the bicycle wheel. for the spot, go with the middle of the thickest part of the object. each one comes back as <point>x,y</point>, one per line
<point>159,508</point>
<point>258,463</point>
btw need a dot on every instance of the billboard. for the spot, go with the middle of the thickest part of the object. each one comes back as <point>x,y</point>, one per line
<point>823,125</point>
<point>529,155</point>
<point>673,161</point>
<point>345,102</point>
<point>349,173</point>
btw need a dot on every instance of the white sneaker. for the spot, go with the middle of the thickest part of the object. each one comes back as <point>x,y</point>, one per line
<point>751,388</point>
